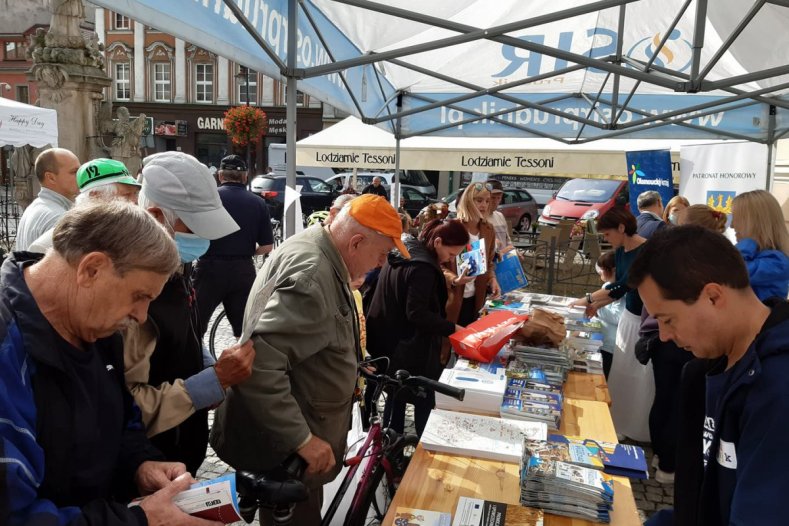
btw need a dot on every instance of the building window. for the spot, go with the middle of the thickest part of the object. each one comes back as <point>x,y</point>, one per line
<point>299,96</point>
<point>161,82</point>
<point>122,81</point>
<point>121,22</point>
<point>246,77</point>
<point>23,94</point>
<point>15,51</point>
<point>204,83</point>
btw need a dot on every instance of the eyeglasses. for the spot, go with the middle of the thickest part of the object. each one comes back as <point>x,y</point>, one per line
<point>483,186</point>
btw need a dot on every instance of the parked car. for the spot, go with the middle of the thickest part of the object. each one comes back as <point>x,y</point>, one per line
<point>518,206</point>
<point>584,199</point>
<point>316,194</point>
<point>414,201</point>
<point>408,179</point>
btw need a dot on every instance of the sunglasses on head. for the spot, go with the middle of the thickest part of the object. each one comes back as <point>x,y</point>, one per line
<point>483,186</point>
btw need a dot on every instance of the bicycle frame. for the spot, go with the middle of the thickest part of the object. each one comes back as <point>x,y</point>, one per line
<point>372,443</point>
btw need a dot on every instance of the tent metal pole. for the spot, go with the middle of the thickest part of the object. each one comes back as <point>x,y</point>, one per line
<point>730,40</point>
<point>467,33</point>
<point>593,105</point>
<point>619,44</point>
<point>748,77</point>
<point>706,105</point>
<point>770,146</point>
<point>242,19</point>
<point>480,116</point>
<point>699,26</point>
<point>327,48</point>
<point>641,125</point>
<point>387,102</point>
<point>648,65</point>
<point>688,125</point>
<point>480,92</point>
<point>767,100</point>
<point>394,196</point>
<point>508,98</point>
<point>290,116</point>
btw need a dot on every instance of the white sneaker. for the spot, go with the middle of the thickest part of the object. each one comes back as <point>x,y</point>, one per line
<point>664,477</point>
<point>655,461</point>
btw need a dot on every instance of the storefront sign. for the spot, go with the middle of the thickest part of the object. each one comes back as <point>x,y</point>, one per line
<point>172,128</point>
<point>211,123</point>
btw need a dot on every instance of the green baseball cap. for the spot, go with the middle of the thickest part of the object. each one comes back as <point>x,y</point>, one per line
<point>100,172</point>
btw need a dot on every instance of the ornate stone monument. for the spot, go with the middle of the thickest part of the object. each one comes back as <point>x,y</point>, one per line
<point>69,69</point>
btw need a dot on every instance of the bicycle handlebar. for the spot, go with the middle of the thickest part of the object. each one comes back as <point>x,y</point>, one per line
<point>403,378</point>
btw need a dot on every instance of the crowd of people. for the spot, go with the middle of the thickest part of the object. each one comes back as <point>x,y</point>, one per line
<point>107,385</point>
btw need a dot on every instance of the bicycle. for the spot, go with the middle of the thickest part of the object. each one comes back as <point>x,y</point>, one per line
<point>387,452</point>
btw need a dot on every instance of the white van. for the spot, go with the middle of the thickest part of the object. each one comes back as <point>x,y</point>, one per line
<point>408,178</point>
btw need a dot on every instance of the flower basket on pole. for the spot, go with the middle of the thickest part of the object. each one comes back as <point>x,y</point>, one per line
<point>245,124</point>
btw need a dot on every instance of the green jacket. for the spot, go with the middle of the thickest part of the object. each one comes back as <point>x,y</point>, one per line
<point>304,374</point>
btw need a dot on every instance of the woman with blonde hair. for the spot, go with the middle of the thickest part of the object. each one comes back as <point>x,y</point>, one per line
<point>763,241</point>
<point>703,215</point>
<point>673,207</point>
<point>467,294</point>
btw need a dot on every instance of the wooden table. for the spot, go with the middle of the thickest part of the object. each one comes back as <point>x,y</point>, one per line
<point>584,386</point>
<point>435,481</point>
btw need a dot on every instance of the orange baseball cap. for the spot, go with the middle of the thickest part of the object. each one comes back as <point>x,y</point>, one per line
<point>375,212</point>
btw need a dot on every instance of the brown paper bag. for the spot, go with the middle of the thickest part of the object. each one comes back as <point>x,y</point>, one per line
<point>542,327</point>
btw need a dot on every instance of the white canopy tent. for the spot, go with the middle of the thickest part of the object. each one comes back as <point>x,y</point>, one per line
<point>569,70</point>
<point>23,124</point>
<point>353,144</point>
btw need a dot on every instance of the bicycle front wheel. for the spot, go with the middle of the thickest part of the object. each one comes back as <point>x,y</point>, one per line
<point>378,491</point>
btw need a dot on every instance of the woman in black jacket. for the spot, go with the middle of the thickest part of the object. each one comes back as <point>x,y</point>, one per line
<point>406,320</point>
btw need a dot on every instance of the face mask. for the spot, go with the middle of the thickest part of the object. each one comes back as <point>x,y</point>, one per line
<point>672,218</point>
<point>190,246</point>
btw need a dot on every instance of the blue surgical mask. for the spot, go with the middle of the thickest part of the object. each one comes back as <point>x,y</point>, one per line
<point>190,246</point>
<point>672,218</point>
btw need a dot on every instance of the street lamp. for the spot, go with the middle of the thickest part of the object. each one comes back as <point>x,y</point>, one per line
<point>244,73</point>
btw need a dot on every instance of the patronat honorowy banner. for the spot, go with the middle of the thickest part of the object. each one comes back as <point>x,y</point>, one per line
<point>714,174</point>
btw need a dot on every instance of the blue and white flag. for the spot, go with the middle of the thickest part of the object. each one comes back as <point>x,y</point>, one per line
<point>649,170</point>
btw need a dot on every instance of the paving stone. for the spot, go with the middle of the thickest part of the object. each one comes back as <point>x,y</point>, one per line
<point>645,505</point>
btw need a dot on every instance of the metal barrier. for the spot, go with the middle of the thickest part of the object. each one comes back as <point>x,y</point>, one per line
<point>9,218</point>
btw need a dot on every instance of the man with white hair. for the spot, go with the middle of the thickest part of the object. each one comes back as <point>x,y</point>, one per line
<point>165,367</point>
<point>650,217</point>
<point>56,170</point>
<point>99,179</point>
<point>71,440</point>
<point>307,342</point>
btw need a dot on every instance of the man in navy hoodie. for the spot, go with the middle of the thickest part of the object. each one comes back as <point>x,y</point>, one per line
<point>731,468</point>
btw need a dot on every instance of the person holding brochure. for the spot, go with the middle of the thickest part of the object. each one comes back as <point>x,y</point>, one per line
<point>407,320</point>
<point>734,396</point>
<point>467,291</point>
<point>72,444</point>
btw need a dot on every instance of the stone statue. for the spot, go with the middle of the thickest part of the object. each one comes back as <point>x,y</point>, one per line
<point>64,31</point>
<point>22,165</point>
<point>126,144</point>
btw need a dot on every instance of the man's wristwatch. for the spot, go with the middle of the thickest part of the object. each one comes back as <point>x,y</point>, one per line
<point>589,298</point>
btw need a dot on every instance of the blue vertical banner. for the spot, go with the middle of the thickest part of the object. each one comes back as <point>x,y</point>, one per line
<point>649,170</point>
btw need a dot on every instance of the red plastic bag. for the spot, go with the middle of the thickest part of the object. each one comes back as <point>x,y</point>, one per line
<point>484,338</point>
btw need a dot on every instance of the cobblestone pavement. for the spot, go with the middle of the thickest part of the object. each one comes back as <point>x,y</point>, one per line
<point>650,495</point>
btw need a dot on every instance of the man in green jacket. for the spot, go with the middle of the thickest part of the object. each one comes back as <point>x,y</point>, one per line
<point>299,397</point>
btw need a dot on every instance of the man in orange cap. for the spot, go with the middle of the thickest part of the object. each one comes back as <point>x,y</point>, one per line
<point>299,397</point>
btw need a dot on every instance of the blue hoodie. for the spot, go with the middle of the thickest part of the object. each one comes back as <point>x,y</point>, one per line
<point>768,270</point>
<point>744,481</point>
